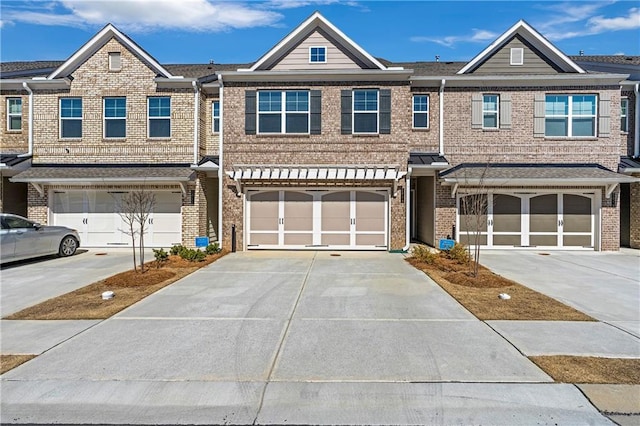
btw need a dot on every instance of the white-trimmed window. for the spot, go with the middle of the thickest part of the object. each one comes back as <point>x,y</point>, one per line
<point>14,113</point>
<point>570,115</point>
<point>215,114</point>
<point>317,54</point>
<point>159,117</point>
<point>624,115</point>
<point>115,117</point>
<point>420,111</point>
<point>490,111</point>
<point>365,111</point>
<point>516,56</point>
<point>70,118</point>
<point>283,111</point>
<point>115,61</point>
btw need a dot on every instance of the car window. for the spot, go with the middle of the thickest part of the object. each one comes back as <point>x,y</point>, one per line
<point>4,225</point>
<point>17,222</point>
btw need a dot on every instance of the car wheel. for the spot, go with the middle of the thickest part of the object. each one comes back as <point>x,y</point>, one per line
<point>68,246</point>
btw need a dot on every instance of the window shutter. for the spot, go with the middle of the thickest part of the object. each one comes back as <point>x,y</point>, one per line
<point>476,111</point>
<point>315,97</point>
<point>385,112</point>
<point>538,115</point>
<point>604,125</point>
<point>250,112</point>
<point>505,110</point>
<point>346,112</point>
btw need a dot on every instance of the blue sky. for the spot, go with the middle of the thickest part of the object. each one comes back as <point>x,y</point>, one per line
<point>196,31</point>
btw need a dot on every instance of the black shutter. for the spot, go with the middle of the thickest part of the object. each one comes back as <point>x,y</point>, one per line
<point>250,112</point>
<point>316,112</point>
<point>346,112</point>
<point>385,111</point>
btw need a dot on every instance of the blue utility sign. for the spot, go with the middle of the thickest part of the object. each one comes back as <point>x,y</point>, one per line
<point>446,244</point>
<point>202,241</point>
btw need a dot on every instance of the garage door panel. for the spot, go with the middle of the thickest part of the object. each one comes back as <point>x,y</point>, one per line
<point>576,213</point>
<point>298,239</point>
<point>543,240</point>
<point>507,240</point>
<point>263,239</point>
<point>472,239</point>
<point>576,240</point>
<point>336,211</point>
<point>264,211</point>
<point>370,239</point>
<point>473,213</point>
<point>336,239</point>
<point>298,212</point>
<point>543,213</point>
<point>506,213</point>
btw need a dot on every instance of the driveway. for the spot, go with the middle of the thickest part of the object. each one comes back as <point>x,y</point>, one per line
<point>26,283</point>
<point>299,338</point>
<point>603,285</point>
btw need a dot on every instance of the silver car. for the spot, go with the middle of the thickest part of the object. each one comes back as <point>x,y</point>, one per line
<point>22,238</point>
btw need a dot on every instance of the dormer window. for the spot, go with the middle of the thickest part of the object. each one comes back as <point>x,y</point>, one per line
<point>517,56</point>
<point>317,54</point>
<point>115,62</point>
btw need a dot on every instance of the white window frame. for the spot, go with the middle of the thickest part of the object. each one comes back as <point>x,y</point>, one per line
<point>311,61</point>
<point>149,118</point>
<point>495,112</point>
<point>624,114</point>
<point>427,113</point>
<point>354,112</point>
<point>13,114</point>
<point>105,118</point>
<point>215,117</point>
<point>112,56</point>
<point>516,56</point>
<point>569,116</point>
<point>283,112</point>
<point>70,118</point>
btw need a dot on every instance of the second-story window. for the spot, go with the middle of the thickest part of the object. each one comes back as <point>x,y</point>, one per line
<point>490,111</point>
<point>71,118</point>
<point>365,111</point>
<point>159,116</point>
<point>115,117</point>
<point>317,54</point>
<point>14,113</point>
<point>420,111</point>
<point>570,115</point>
<point>215,113</point>
<point>624,115</point>
<point>283,111</point>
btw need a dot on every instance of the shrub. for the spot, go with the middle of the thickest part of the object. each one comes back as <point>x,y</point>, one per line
<point>213,248</point>
<point>161,256</point>
<point>459,253</point>
<point>174,250</point>
<point>192,255</point>
<point>424,254</point>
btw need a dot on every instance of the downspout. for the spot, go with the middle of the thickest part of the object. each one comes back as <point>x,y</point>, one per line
<point>196,121</point>
<point>636,135</point>
<point>28,89</point>
<point>220,168</point>
<point>441,116</point>
<point>407,199</point>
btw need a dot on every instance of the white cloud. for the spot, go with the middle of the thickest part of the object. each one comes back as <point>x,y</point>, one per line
<point>629,22</point>
<point>477,36</point>
<point>144,15</point>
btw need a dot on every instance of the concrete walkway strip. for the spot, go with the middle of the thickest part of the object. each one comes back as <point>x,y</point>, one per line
<point>36,337</point>
<point>619,399</point>
<point>568,338</point>
<point>426,404</point>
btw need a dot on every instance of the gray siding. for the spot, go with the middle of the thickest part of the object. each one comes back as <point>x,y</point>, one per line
<point>499,63</point>
<point>298,57</point>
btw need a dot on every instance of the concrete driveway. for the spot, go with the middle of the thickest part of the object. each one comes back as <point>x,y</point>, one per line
<point>299,338</point>
<point>603,285</point>
<point>24,284</point>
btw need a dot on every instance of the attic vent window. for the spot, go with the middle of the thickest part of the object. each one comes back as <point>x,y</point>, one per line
<point>517,56</point>
<point>115,62</point>
<point>317,54</point>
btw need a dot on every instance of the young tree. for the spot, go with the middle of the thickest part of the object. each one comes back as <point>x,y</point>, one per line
<point>134,208</point>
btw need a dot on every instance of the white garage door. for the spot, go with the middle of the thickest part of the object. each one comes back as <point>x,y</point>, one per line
<point>95,215</point>
<point>345,219</point>
<point>527,220</point>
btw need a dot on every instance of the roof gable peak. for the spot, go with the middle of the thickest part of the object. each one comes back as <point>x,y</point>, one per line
<point>308,26</point>
<point>532,36</point>
<point>96,42</point>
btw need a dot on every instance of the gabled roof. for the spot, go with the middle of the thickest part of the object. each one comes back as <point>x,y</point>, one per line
<point>532,36</point>
<point>316,20</point>
<point>96,42</point>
